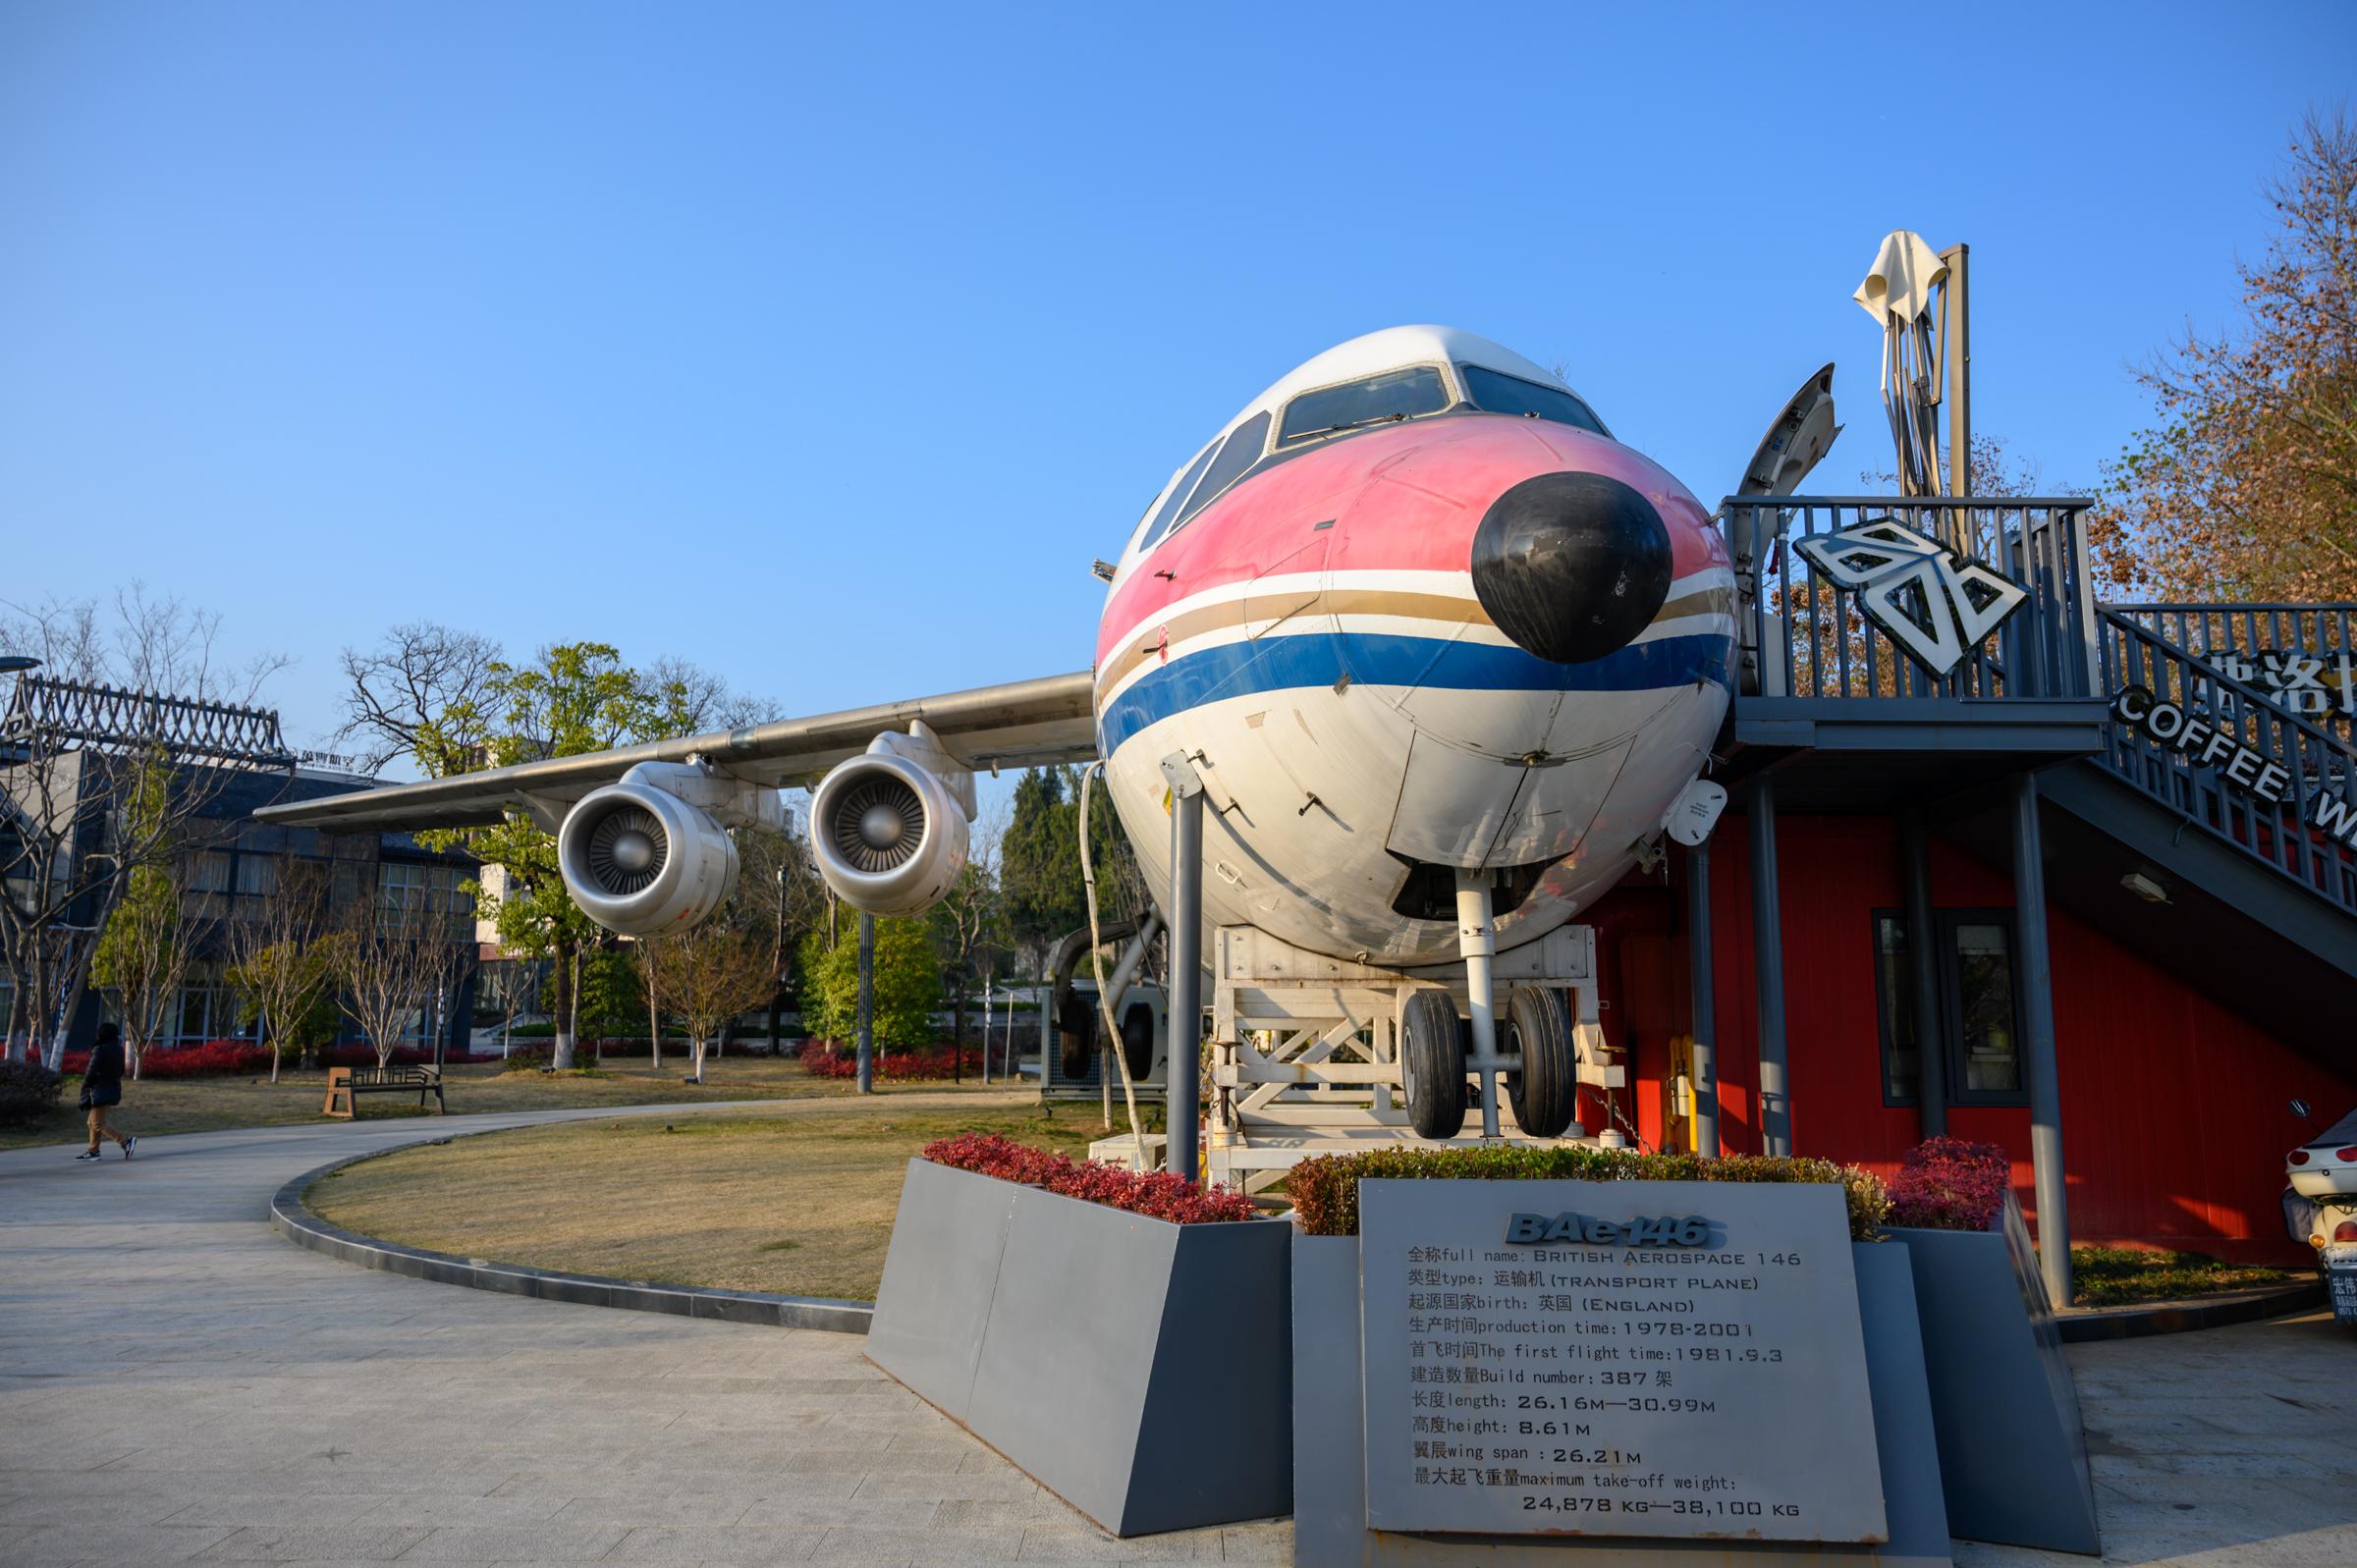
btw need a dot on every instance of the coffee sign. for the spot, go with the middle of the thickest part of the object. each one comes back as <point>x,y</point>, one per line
<point>2198,740</point>
<point>1631,1358</point>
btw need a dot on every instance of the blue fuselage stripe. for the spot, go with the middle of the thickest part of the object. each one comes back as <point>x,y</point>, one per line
<point>1323,659</point>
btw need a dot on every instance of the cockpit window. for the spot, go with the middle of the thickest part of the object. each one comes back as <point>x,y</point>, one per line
<point>1177,497</point>
<point>1241,451</point>
<point>1354,405</point>
<point>1499,393</point>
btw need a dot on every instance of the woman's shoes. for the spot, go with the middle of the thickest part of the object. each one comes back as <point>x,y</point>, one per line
<point>129,1144</point>
<point>87,1153</point>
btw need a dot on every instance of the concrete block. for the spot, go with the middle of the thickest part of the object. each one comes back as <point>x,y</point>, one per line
<point>992,1293</point>
<point>2012,1452</point>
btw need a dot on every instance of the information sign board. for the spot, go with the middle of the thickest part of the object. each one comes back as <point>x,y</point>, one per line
<point>1630,1358</point>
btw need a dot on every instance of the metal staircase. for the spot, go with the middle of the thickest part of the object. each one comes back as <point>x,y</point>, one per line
<point>2278,680</point>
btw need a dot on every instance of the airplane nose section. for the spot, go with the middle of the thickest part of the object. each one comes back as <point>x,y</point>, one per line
<point>1572,565</point>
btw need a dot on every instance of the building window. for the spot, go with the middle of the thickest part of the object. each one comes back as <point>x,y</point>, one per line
<point>1979,1008</point>
<point>1982,1017</point>
<point>1895,998</point>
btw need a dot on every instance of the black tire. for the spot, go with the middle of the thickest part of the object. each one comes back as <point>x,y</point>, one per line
<point>1138,1039</point>
<point>1432,1064</point>
<point>1079,1033</point>
<point>1545,1094</point>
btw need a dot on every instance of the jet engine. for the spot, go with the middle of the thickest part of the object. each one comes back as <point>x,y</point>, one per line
<point>652,853</point>
<point>889,827</point>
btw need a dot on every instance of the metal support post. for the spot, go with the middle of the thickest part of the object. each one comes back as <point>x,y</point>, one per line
<point>1183,1091</point>
<point>1477,941</point>
<point>1768,954</point>
<point>867,1002</point>
<point>1931,1048</point>
<point>1701,1068</point>
<point>2038,1020</point>
<point>1047,1033</point>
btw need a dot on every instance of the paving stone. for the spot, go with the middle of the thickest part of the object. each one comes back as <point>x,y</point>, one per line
<point>54,1546</point>
<point>661,1546</point>
<point>857,1544</point>
<point>546,1542</point>
<point>303,1543</point>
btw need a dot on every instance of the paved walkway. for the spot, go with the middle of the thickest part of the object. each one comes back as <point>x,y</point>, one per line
<point>177,1383</point>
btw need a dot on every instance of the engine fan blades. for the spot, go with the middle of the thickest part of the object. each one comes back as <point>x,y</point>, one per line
<point>626,850</point>
<point>879,823</point>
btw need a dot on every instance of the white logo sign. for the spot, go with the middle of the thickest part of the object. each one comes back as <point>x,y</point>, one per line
<point>1935,605</point>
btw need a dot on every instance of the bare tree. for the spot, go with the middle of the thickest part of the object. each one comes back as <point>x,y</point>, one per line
<point>642,959</point>
<point>710,975</point>
<point>967,925</point>
<point>395,960</point>
<point>282,959</point>
<point>123,696</point>
<point>415,694</point>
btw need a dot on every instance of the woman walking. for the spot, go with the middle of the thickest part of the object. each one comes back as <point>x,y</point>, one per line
<point>101,1087</point>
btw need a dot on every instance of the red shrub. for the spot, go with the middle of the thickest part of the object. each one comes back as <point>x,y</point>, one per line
<point>1949,1184</point>
<point>1160,1196</point>
<point>820,1061</point>
<point>216,1057</point>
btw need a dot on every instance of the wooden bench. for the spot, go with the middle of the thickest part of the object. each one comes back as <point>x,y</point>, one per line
<point>345,1084</point>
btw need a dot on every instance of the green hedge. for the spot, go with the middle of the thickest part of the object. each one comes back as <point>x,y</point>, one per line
<point>1325,1190</point>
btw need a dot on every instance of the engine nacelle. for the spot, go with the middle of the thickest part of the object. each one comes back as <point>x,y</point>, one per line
<point>641,861</point>
<point>889,834</point>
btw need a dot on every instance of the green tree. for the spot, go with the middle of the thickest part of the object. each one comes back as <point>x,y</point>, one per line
<point>1039,862</point>
<point>574,697</point>
<point>907,983</point>
<point>608,999</point>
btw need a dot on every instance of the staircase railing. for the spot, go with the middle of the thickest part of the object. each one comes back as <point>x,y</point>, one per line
<point>2302,657</point>
<point>2303,833</point>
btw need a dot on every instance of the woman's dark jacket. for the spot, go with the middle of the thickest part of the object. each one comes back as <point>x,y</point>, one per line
<point>103,1080</point>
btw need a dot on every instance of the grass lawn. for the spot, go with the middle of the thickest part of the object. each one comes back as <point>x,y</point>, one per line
<point>207,1104</point>
<point>798,1199</point>
<point>2121,1277</point>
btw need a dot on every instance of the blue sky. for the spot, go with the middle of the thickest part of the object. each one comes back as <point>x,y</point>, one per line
<point>827,345</point>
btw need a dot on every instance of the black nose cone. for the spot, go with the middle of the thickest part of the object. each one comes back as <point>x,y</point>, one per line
<point>1572,565</point>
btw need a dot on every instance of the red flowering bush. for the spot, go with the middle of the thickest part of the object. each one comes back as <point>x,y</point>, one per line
<point>217,1058</point>
<point>1160,1195</point>
<point>822,1062</point>
<point>1950,1184</point>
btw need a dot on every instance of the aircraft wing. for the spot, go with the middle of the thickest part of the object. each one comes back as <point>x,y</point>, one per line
<point>1023,723</point>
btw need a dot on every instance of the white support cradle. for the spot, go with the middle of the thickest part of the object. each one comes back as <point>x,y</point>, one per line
<point>1305,1057</point>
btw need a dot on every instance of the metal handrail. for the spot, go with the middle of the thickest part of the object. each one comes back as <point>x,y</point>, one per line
<point>2327,632</point>
<point>1803,636</point>
<point>2317,761</point>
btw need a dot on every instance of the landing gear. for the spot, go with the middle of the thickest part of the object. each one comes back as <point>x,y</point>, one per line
<point>1545,1091</point>
<point>1432,1064</point>
<point>1138,1039</point>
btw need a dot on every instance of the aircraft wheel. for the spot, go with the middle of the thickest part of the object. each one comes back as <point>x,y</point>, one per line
<point>1138,1039</point>
<point>1432,1064</point>
<point>1545,1094</point>
<point>1079,1031</point>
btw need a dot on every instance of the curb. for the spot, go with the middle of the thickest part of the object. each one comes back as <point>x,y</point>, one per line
<point>2181,1317</point>
<point>290,1219</point>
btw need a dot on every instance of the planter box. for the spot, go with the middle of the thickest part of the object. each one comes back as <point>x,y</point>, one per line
<point>2012,1453</point>
<point>1330,1478</point>
<point>1137,1369</point>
